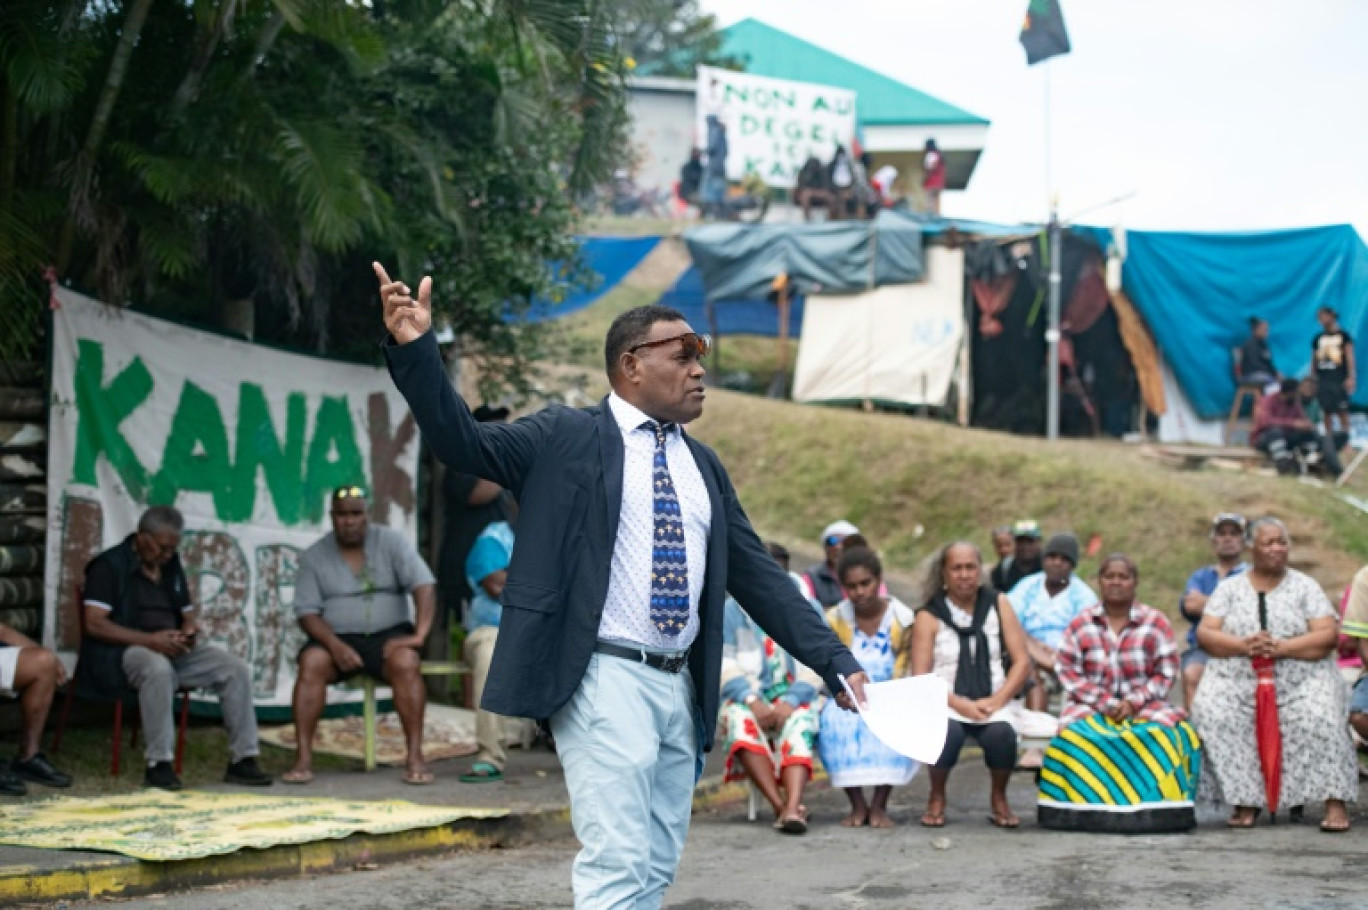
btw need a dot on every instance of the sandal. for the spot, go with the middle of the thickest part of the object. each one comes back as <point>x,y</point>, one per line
<point>794,824</point>
<point>482,772</point>
<point>1009,822</point>
<point>296,777</point>
<point>931,819</point>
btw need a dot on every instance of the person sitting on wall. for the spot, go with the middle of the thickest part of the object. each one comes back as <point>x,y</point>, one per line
<point>352,593</point>
<point>141,632</point>
<point>811,187</point>
<point>32,673</point>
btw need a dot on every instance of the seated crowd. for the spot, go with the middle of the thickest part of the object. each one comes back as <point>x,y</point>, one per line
<point>1119,757</point>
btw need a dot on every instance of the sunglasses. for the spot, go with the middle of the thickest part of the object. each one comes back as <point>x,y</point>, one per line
<point>349,493</point>
<point>833,540</point>
<point>695,346</point>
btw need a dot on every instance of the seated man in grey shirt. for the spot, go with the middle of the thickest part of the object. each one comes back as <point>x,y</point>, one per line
<point>351,598</point>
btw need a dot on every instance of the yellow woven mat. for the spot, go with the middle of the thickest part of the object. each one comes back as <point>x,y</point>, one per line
<point>160,826</point>
<point>447,733</point>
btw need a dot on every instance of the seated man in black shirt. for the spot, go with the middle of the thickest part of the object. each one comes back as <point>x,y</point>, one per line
<point>140,631</point>
<point>32,673</point>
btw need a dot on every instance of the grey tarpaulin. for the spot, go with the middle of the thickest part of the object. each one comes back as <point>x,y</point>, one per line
<point>738,262</point>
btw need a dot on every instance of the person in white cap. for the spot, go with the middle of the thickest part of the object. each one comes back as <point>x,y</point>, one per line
<point>820,578</point>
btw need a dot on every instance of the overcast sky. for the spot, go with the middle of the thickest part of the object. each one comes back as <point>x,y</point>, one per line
<point>1217,114</point>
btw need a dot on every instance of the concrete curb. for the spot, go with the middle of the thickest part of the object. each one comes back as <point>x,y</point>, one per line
<point>115,876</point>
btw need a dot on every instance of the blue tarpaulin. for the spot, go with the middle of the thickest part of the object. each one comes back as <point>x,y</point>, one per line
<point>1198,291</point>
<point>734,317</point>
<point>609,259</point>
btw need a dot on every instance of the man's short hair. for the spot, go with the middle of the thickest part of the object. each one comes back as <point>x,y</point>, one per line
<point>631,328</point>
<point>160,520</point>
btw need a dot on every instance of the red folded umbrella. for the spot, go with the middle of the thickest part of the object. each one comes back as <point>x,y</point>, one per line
<point>1266,730</point>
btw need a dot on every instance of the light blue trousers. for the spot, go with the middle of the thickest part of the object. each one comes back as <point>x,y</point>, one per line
<point>628,743</point>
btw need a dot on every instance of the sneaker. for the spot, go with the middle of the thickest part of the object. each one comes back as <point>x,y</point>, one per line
<point>10,784</point>
<point>38,770</point>
<point>247,773</point>
<point>162,777</point>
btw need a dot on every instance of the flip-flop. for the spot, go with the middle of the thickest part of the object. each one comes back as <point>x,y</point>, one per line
<point>1334,829</point>
<point>794,824</point>
<point>1009,823</point>
<point>297,777</point>
<point>420,779</point>
<point>933,820</point>
<point>481,772</point>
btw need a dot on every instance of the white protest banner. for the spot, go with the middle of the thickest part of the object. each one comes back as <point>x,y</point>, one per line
<point>247,441</point>
<point>773,125</point>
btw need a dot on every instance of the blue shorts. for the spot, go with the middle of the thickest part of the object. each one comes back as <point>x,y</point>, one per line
<point>1195,655</point>
<point>1358,704</point>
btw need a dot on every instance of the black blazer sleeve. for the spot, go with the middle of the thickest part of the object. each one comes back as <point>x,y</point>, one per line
<point>502,453</point>
<point>769,596</point>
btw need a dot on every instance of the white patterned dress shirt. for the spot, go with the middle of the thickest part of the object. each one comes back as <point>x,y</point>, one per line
<point>627,610</point>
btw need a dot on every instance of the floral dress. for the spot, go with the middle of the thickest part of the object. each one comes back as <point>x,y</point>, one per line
<point>850,752</point>
<point>1317,753</point>
<point>752,664</point>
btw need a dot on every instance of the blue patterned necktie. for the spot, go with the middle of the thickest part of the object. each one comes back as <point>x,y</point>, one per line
<point>669,562</point>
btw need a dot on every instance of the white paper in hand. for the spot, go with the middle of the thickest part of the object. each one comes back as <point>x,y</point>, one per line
<point>908,715</point>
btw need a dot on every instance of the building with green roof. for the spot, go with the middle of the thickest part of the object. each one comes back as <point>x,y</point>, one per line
<point>895,119</point>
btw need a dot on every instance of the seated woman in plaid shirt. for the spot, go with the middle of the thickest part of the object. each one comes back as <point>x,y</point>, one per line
<point>1126,759</point>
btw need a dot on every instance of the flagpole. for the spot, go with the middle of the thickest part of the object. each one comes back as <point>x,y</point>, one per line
<point>1056,241</point>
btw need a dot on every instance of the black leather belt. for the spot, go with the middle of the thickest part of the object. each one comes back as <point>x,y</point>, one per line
<point>668,663</point>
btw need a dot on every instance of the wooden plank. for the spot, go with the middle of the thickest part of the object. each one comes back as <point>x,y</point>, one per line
<point>21,403</point>
<point>29,498</point>
<point>22,468</point>
<point>26,620</point>
<point>22,592</point>
<point>22,437</point>
<point>22,529</point>
<point>21,559</point>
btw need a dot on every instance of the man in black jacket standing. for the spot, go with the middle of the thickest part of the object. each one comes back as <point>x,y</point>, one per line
<point>631,537</point>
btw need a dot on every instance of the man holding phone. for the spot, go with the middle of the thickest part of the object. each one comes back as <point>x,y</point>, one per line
<point>141,632</point>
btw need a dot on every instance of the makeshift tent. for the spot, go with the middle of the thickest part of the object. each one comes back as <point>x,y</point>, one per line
<point>738,262</point>
<point>1198,291</point>
<point>1100,387</point>
<point>898,344</point>
<point>606,261</point>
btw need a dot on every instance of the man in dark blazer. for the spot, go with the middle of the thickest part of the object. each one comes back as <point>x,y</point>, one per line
<point>630,538</point>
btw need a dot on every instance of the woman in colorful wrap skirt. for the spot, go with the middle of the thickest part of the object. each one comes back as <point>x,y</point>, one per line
<point>1126,760</point>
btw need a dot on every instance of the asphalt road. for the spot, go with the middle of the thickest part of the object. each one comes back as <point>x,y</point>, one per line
<point>730,865</point>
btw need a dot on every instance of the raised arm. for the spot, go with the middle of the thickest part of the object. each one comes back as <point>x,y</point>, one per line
<point>502,453</point>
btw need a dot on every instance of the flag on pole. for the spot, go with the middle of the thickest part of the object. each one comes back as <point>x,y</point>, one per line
<point>1043,33</point>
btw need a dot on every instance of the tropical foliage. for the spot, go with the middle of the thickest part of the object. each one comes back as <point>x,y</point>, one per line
<point>196,156</point>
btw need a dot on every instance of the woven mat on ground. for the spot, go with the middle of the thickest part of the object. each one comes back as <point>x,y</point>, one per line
<point>447,733</point>
<point>160,826</point>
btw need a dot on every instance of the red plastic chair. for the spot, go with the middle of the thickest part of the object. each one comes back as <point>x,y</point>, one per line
<point>119,700</point>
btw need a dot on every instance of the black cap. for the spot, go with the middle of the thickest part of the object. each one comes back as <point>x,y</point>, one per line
<point>1065,545</point>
